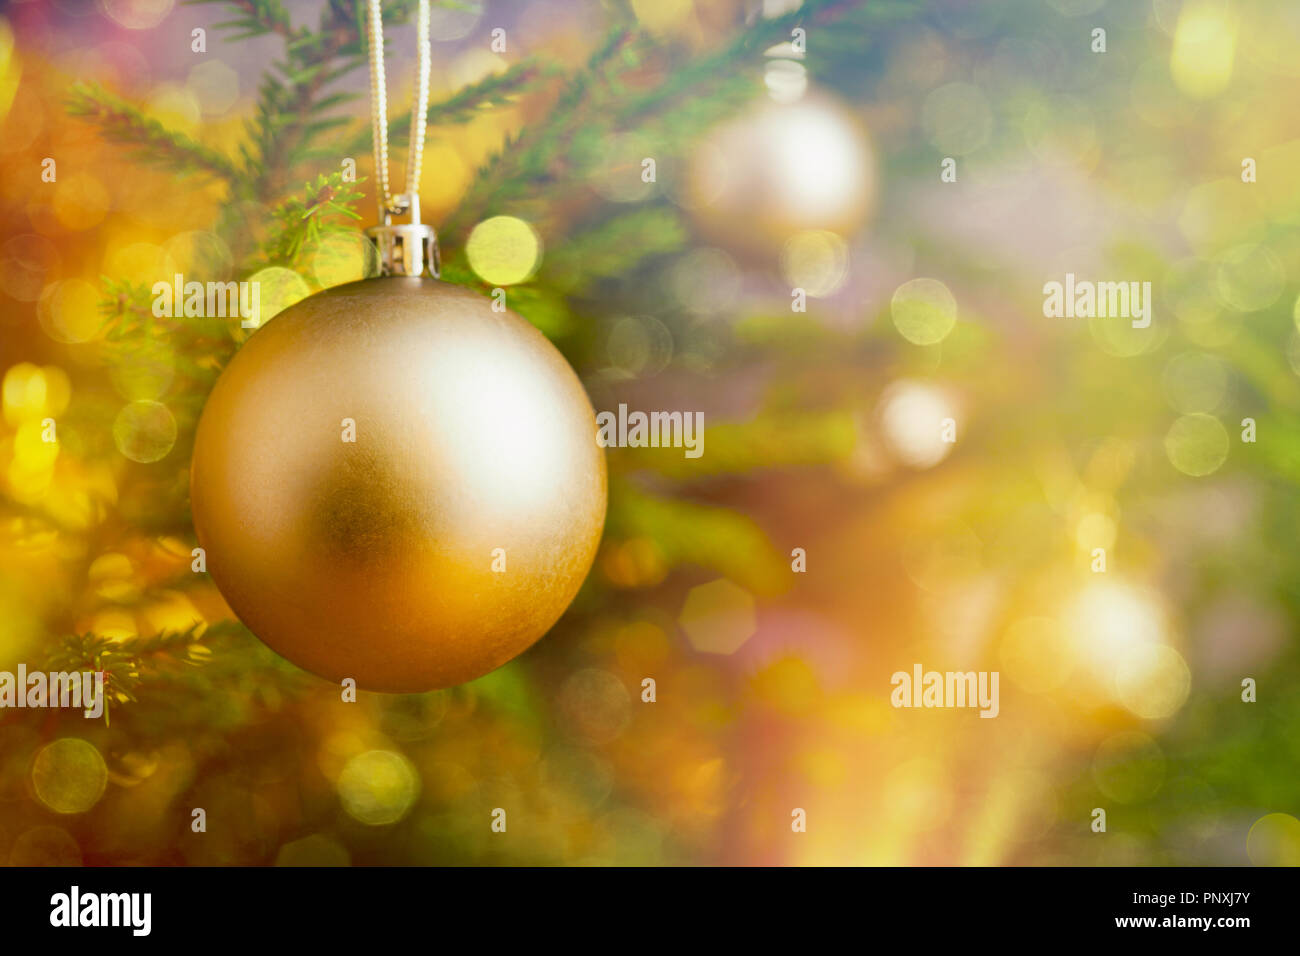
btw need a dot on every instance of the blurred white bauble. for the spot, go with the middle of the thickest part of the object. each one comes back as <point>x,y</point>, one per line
<point>780,168</point>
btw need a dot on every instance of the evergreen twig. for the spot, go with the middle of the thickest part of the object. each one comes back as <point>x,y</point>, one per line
<point>152,142</point>
<point>471,100</point>
<point>301,220</point>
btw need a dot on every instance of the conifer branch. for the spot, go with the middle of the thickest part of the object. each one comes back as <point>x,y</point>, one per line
<point>302,220</point>
<point>288,117</point>
<point>614,247</point>
<point>471,100</point>
<point>151,141</point>
<point>530,159</point>
<point>601,99</point>
<point>685,532</point>
<point>178,671</point>
<point>255,18</point>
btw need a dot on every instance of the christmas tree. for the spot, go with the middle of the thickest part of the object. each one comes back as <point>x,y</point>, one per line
<point>824,229</point>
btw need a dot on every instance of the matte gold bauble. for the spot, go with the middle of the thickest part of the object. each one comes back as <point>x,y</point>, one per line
<point>397,484</point>
<point>777,169</point>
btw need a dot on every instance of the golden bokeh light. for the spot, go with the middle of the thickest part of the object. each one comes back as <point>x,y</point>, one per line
<point>378,787</point>
<point>1205,42</point>
<point>1249,277</point>
<point>815,260</point>
<point>10,68</point>
<point>32,449</point>
<point>1197,444</point>
<point>111,577</point>
<point>1274,840</point>
<point>214,85</point>
<point>137,14</point>
<point>69,311</point>
<point>141,262</point>
<point>32,391</point>
<point>1152,680</point>
<point>144,371</point>
<point>144,431</point>
<point>663,16</point>
<point>504,250</point>
<point>718,617</point>
<point>1095,530</point>
<point>912,418</point>
<point>1108,618</point>
<point>278,288</point>
<point>69,775</point>
<point>924,311</point>
<point>344,257</point>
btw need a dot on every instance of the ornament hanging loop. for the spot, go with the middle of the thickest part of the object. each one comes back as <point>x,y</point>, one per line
<point>405,249</point>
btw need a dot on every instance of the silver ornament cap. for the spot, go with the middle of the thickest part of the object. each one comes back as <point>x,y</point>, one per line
<point>406,249</point>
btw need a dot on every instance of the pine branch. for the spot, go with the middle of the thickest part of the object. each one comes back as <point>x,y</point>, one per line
<point>288,117</point>
<point>123,661</point>
<point>193,679</point>
<point>530,159</point>
<point>120,122</point>
<point>470,101</point>
<point>688,533</point>
<point>301,221</point>
<point>613,247</point>
<point>601,99</point>
<point>544,307</point>
<point>700,74</point>
<point>257,18</point>
<point>496,90</point>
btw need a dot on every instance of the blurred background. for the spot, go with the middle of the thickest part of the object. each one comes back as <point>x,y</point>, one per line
<point>782,161</point>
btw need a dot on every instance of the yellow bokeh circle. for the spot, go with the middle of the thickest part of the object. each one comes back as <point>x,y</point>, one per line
<point>1152,680</point>
<point>1274,840</point>
<point>69,775</point>
<point>924,311</point>
<point>504,250</point>
<point>1197,444</point>
<point>815,260</point>
<point>144,431</point>
<point>68,311</point>
<point>277,289</point>
<point>378,787</point>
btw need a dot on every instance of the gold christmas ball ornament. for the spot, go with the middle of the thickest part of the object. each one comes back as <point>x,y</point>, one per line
<point>781,168</point>
<point>395,483</point>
